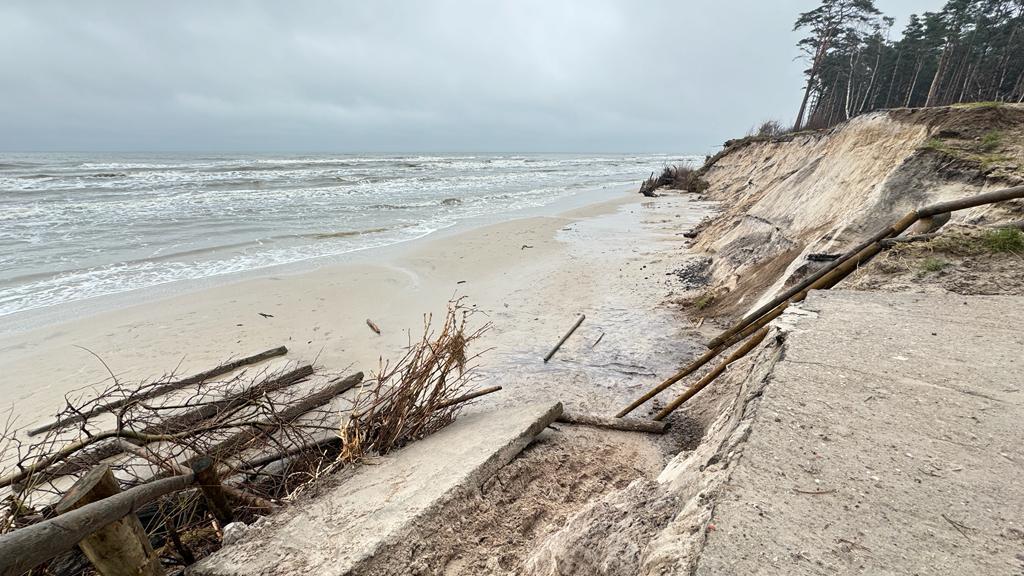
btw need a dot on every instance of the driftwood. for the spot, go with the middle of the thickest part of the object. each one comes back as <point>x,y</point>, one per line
<point>566,337</point>
<point>626,424</point>
<point>26,548</point>
<point>162,389</point>
<point>237,441</point>
<point>183,421</point>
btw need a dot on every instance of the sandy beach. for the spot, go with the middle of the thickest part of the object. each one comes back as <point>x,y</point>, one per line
<point>529,276</point>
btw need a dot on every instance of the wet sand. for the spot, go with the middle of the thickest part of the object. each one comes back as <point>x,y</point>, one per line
<point>530,277</point>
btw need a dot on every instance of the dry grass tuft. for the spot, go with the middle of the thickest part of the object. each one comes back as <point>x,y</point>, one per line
<point>416,396</point>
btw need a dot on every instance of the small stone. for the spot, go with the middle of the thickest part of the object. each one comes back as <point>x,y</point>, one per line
<point>234,532</point>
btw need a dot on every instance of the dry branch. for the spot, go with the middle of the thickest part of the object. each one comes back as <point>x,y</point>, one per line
<point>566,337</point>
<point>161,390</point>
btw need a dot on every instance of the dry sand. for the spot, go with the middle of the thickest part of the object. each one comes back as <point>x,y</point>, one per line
<point>530,277</point>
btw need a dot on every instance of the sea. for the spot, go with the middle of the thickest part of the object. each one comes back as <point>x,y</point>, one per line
<point>79,226</point>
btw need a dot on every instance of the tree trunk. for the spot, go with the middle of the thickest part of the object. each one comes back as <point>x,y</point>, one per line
<point>913,83</point>
<point>892,79</point>
<point>933,91</point>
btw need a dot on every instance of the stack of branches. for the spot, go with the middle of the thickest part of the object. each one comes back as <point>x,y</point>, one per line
<point>674,177</point>
<point>269,436</point>
<point>148,437</point>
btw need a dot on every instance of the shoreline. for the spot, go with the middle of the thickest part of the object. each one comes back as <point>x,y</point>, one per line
<point>528,276</point>
<point>52,315</point>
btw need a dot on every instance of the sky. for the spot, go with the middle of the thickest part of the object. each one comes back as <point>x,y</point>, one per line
<point>399,76</point>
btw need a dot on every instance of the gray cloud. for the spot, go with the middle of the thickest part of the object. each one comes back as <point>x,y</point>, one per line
<point>439,75</point>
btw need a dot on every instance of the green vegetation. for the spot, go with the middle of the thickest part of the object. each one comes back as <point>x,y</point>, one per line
<point>704,301</point>
<point>932,264</point>
<point>978,105</point>
<point>991,140</point>
<point>967,53</point>
<point>1003,240</point>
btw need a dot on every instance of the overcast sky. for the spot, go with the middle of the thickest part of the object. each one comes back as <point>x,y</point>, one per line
<point>444,75</point>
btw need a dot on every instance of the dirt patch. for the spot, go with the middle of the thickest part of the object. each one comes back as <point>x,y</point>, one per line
<point>961,260</point>
<point>492,531</point>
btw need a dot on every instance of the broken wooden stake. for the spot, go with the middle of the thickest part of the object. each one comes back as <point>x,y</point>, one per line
<point>566,337</point>
<point>216,497</point>
<point>626,424</point>
<point>120,548</point>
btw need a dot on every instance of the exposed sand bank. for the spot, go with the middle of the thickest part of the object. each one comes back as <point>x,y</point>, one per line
<point>528,276</point>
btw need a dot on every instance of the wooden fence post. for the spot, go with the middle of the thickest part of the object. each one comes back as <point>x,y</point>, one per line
<point>209,483</point>
<point>120,548</point>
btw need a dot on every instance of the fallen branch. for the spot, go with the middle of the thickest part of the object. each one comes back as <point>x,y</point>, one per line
<point>373,326</point>
<point>162,389</point>
<point>185,421</point>
<point>566,337</point>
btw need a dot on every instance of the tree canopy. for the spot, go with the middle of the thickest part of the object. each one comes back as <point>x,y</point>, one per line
<point>969,51</point>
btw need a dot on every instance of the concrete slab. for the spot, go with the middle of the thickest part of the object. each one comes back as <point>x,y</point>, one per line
<point>337,531</point>
<point>887,441</point>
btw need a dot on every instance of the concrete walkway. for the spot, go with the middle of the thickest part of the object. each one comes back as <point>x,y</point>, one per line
<point>889,440</point>
<point>378,505</point>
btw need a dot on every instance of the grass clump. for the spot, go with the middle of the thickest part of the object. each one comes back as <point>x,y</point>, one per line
<point>978,105</point>
<point>991,140</point>
<point>932,264</point>
<point>704,301</point>
<point>1003,240</point>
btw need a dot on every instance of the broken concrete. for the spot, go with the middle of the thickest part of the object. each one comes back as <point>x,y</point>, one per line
<point>887,441</point>
<point>338,531</point>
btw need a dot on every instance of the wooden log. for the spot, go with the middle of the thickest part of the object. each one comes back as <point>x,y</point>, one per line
<point>216,497</point>
<point>162,389</point>
<point>237,441</point>
<point>626,424</point>
<point>710,376</point>
<point>120,548</point>
<point>564,338</point>
<point>183,421</point>
<point>28,547</point>
<point>237,494</point>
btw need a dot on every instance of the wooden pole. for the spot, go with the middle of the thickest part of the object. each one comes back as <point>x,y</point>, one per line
<point>216,497</point>
<point>566,337</point>
<point>825,278</point>
<point>120,548</point>
<point>162,389</point>
<point>710,376</point>
<point>28,547</point>
<point>625,424</point>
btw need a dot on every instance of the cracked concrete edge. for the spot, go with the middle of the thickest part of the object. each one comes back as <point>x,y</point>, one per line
<point>416,530</point>
<point>697,477</point>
